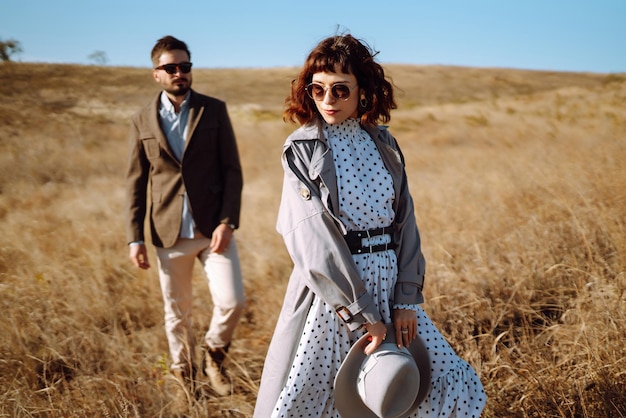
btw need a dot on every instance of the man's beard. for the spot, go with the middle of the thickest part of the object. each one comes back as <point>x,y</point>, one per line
<point>179,90</point>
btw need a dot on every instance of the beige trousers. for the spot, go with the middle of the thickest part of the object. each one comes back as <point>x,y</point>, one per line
<point>223,273</point>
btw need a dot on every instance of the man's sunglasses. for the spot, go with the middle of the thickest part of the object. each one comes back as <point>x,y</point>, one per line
<point>183,67</point>
<point>317,91</point>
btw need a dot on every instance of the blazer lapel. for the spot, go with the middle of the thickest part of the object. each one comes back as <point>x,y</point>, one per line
<point>155,126</point>
<point>195,113</point>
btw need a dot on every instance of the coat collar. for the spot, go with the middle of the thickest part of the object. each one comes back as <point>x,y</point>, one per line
<point>322,166</point>
<point>319,164</point>
<point>196,109</point>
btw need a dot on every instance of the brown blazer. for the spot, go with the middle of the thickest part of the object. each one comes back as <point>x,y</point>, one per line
<point>210,173</point>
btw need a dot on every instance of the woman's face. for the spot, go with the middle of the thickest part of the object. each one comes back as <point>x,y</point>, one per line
<point>326,86</point>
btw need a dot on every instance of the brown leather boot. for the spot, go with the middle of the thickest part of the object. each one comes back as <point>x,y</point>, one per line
<point>186,378</point>
<point>213,366</point>
<point>181,391</point>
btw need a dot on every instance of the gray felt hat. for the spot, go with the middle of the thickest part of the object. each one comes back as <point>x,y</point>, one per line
<point>389,383</point>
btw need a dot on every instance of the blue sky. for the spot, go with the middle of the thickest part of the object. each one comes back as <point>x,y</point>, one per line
<point>560,35</point>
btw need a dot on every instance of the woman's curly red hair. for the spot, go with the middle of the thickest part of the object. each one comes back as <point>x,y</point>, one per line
<point>354,57</point>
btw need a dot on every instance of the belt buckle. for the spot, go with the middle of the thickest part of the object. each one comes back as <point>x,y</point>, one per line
<point>341,311</point>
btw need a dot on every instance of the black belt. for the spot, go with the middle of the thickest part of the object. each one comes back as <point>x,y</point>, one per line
<point>354,239</point>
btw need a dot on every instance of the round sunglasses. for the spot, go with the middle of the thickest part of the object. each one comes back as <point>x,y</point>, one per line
<point>183,67</point>
<point>317,91</point>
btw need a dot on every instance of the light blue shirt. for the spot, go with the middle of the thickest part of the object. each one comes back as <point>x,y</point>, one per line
<point>174,126</point>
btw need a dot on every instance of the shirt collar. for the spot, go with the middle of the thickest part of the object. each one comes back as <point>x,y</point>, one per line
<point>167,105</point>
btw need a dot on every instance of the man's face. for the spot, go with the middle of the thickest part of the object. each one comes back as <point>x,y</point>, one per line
<point>178,83</point>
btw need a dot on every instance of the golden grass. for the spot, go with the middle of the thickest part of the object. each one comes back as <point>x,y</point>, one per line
<point>520,188</point>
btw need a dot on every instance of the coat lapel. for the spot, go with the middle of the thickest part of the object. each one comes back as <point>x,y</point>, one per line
<point>195,114</point>
<point>322,165</point>
<point>155,127</point>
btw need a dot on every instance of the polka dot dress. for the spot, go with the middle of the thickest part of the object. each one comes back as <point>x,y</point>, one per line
<point>366,195</point>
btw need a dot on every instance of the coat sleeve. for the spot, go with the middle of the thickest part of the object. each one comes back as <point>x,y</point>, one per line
<point>231,166</point>
<point>137,177</point>
<point>320,255</point>
<point>411,262</point>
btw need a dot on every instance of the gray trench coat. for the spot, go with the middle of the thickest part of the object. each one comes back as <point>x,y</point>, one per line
<point>323,263</point>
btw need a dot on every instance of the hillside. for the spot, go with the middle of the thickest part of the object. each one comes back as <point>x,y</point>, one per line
<point>520,188</point>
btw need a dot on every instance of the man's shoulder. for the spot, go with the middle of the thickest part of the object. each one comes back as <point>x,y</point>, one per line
<point>147,108</point>
<point>205,99</point>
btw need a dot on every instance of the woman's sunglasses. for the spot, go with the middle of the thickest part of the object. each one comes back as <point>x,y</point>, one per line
<point>183,67</point>
<point>317,91</point>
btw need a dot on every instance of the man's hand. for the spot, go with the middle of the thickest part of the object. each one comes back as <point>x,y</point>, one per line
<point>139,256</point>
<point>221,238</point>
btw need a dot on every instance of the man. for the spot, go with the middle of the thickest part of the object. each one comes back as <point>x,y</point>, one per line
<point>184,162</point>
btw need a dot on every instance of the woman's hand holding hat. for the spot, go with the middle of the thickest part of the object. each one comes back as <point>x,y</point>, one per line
<point>377,333</point>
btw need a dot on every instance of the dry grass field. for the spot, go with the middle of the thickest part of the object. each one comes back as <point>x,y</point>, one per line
<point>519,179</point>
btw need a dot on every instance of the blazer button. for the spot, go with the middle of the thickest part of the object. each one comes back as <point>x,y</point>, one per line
<point>305,193</point>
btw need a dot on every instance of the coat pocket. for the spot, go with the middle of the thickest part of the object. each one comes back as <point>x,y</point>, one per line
<point>151,147</point>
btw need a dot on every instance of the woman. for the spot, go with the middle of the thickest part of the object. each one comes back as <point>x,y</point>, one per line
<point>347,220</point>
